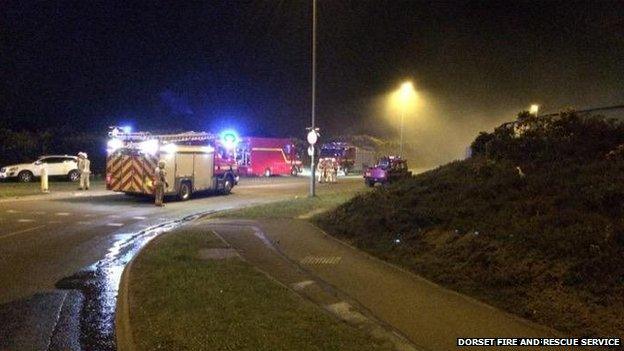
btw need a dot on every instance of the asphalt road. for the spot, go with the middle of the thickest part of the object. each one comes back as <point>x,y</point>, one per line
<point>62,255</point>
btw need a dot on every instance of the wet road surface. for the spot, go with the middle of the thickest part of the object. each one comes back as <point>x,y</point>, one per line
<point>61,259</point>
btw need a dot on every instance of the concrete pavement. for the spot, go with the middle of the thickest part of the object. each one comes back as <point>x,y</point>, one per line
<point>428,315</point>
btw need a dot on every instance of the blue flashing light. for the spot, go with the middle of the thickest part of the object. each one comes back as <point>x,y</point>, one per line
<point>229,138</point>
<point>126,129</point>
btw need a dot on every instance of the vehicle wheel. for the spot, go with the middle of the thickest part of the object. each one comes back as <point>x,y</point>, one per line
<point>185,191</point>
<point>267,172</point>
<point>294,172</point>
<point>228,184</point>
<point>346,171</point>
<point>73,176</point>
<point>25,176</point>
<point>370,184</point>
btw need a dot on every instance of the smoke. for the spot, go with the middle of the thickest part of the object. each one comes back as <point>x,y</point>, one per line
<point>436,130</point>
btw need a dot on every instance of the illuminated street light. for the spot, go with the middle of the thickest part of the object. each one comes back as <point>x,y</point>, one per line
<point>406,97</point>
<point>534,109</point>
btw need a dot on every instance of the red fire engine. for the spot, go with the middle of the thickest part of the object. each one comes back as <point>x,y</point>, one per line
<point>350,158</point>
<point>193,162</point>
<point>267,156</point>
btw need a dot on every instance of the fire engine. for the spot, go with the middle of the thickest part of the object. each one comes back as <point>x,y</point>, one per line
<point>267,157</point>
<point>193,162</point>
<point>350,158</point>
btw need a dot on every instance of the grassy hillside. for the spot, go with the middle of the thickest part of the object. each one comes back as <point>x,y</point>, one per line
<point>532,223</point>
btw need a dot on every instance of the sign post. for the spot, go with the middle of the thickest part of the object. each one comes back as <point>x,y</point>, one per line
<point>313,135</point>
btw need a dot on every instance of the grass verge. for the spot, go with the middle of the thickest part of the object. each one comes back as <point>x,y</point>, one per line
<point>181,302</point>
<point>15,189</point>
<point>328,197</point>
<point>531,223</point>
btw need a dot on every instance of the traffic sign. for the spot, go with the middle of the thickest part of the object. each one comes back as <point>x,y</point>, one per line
<point>312,137</point>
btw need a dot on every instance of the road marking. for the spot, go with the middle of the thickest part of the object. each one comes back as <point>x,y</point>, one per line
<point>114,216</point>
<point>115,224</point>
<point>54,222</point>
<point>320,260</point>
<point>21,231</point>
<point>25,220</point>
<point>84,222</point>
<point>39,212</point>
<point>89,215</point>
<point>12,211</point>
<point>302,285</point>
<point>140,218</point>
<point>62,213</point>
<point>346,312</point>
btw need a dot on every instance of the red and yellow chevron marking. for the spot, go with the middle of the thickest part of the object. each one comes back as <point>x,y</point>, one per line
<point>131,173</point>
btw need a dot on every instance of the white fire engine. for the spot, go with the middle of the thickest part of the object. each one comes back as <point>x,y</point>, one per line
<point>194,162</point>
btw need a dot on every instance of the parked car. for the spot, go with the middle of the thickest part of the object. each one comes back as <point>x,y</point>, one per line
<point>387,170</point>
<point>58,166</point>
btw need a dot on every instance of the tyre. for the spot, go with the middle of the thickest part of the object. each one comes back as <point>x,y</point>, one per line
<point>267,172</point>
<point>184,193</point>
<point>294,172</point>
<point>25,176</point>
<point>73,176</point>
<point>228,184</point>
<point>370,183</point>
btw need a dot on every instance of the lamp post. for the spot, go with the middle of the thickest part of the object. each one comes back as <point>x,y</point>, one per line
<point>312,135</point>
<point>406,96</point>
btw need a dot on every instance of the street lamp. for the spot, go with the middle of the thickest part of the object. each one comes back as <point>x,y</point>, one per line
<point>534,109</point>
<point>313,133</point>
<point>406,96</point>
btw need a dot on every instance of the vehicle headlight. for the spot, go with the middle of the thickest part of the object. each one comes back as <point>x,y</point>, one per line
<point>2,169</point>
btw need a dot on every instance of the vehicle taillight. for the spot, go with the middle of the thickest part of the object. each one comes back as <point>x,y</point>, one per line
<point>108,178</point>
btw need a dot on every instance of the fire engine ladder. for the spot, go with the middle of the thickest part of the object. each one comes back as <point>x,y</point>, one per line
<point>163,138</point>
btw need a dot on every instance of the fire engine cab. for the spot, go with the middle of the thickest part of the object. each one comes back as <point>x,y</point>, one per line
<point>193,162</point>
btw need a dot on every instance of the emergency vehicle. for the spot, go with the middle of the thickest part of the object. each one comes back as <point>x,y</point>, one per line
<point>350,158</point>
<point>267,156</point>
<point>387,170</point>
<point>193,162</point>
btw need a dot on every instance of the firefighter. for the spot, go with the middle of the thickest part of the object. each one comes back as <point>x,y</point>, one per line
<point>329,165</point>
<point>333,170</point>
<point>84,167</point>
<point>160,183</point>
<point>320,171</point>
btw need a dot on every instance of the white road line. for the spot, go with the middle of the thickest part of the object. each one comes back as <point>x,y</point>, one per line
<point>54,222</point>
<point>84,222</point>
<point>39,212</point>
<point>62,214</point>
<point>21,231</point>
<point>139,217</point>
<point>115,224</point>
<point>25,220</point>
<point>12,211</point>
<point>89,215</point>
<point>114,216</point>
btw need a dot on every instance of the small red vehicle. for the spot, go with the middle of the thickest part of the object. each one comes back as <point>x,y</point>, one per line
<point>267,156</point>
<point>387,170</point>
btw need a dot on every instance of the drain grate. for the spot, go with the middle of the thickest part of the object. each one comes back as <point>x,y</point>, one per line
<point>321,260</point>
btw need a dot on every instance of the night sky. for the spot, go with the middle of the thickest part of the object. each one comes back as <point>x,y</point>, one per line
<point>246,64</point>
